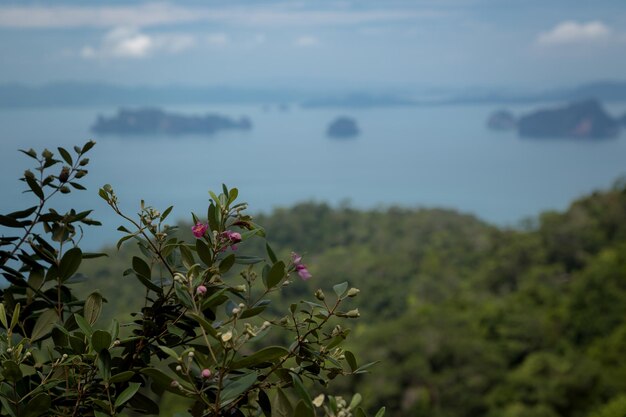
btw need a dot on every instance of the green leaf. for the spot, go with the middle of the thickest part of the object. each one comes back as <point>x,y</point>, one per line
<point>275,274</point>
<point>3,316</point>
<point>166,212</point>
<point>251,312</point>
<point>270,253</point>
<point>351,360</point>
<point>268,354</point>
<point>35,188</point>
<point>356,400</point>
<point>84,326</point>
<point>204,253</point>
<point>187,256</point>
<point>37,406</point>
<point>121,377</point>
<point>70,262</point>
<point>227,263</point>
<point>66,156</point>
<point>16,315</point>
<point>127,394</point>
<point>282,406</point>
<point>208,328</point>
<point>88,146</point>
<point>232,195</point>
<point>359,413</point>
<point>264,403</point>
<point>170,352</point>
<point>141,268</point>
<point>300,389</point>
<point>381,412</point>
<point>340,289</point>
<point>93,307</point>
<point>237,387</point>
<point>302,410</point>
<point>213,218</point>
<point>11,371</point>
<point>248,260</point>
<point>44,324</point>
<point>100,340</point>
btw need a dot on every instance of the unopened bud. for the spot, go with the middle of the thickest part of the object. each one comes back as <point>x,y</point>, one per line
<point>175,384</point>
<point>190,354</point>
<point>319,294</point>
<point>179,368</point>
<point>227,336</point>
<point>64,189</point>
<point>65,174</point>
<point>81,173</point>
<point>236,311</point>
<point>353,313</point>
<point>352,292</point>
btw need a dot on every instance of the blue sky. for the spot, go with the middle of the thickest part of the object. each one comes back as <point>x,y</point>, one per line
<point>421,44</point>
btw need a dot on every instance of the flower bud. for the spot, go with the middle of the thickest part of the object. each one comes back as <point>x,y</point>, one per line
<point>179,368</point>
<point>352,292</point>
<point>236,311</point>
<point>227,336</point>
<point>65,174</point>
<point>201,290</point>
<point>353,313</point>
<point>319,294</point>
<point>174,384</point>
<point>206,373</point>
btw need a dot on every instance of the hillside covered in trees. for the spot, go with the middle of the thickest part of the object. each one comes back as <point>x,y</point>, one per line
<point>466,319</point>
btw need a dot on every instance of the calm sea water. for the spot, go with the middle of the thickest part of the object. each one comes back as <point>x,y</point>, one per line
<point>414,157</point>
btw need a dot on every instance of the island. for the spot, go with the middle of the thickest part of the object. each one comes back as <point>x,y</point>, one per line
<point>583,119</point>
<point>342,127</point>
<point>156,121</point>
<point>501,120</point>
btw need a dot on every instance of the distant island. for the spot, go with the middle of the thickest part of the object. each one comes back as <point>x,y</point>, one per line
<point>156,121</point>
<point>585,119</point>
<point>342,127</point>
<point>501,120</point>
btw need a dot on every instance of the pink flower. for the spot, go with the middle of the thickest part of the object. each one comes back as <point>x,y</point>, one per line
<point>296,258</point>
<point>201,289</point>
<point>303,272</point>
<point>232,238</point>
<point>206,373</point>
<point>199,229</point>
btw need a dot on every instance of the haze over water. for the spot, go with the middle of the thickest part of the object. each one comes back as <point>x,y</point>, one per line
<point>412,157</point>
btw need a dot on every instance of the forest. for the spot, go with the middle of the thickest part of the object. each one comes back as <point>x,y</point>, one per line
<point>464,318</point>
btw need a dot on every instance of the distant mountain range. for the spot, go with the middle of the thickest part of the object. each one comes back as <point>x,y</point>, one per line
<point>97,94</point>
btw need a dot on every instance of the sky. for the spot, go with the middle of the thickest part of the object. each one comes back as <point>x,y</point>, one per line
<point>392,44</point>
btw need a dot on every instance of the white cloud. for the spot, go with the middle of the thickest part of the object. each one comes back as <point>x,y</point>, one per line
<point>217,39</point>
<point>150,15</point>
<point>306,41</point>
<point>126,42</point>
<point>571,32</point>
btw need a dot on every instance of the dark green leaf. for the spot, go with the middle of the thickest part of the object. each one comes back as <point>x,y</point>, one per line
<point>204,253</point>
<point>35,188</point>
<point>44,324</point>
<point>351,360</point>
<point>248,260</point>
<point>227,263</point>
<point>66,156</point>
<point>282,406</point>
<point>268,354</point>
<point>11,371</point>
<point>84,326</point>
<point>100,340</point>
<point>121,377</point>
<point>275,274</point>
<point>237,387</point>
<point>93,307</point>
<point>302,410</point>
<point>37,406</point>
<point>141,267</point>
<point>301,390</point>
<point>70,262</point>
<point>270,253</point>
<point>265,404</point>
<point>127,394</point>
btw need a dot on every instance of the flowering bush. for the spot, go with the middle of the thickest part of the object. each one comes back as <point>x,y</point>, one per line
<point>199,335</point>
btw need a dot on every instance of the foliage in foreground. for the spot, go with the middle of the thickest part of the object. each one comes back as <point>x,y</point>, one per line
<point>199,333</point>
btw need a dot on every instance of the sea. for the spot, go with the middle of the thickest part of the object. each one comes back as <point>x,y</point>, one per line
<point>441,156</point>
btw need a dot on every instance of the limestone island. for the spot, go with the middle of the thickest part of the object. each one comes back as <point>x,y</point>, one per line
<point>342,128</point>
<point>156,121</point>
<point>584,119</point>
<point>501,120</point>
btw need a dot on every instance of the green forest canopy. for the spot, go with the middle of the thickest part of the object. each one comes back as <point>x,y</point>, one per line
<point>466,318</point>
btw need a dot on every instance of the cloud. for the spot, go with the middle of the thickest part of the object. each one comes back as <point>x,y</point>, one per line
<point>306,41</point>
<point>571,32</point>
<point>159,14</point>
<point>126,42</point>
<point>217,39</point>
